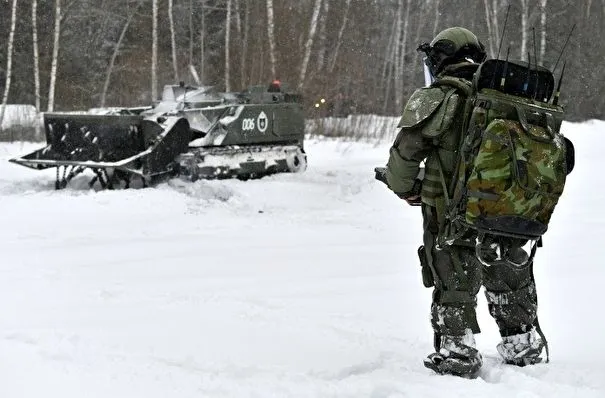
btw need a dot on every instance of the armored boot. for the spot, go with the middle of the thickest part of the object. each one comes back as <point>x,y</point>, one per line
<point>521,349</point>
<point>457,356</point>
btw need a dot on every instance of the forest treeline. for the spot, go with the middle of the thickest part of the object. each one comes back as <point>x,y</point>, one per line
<point>360,56</point>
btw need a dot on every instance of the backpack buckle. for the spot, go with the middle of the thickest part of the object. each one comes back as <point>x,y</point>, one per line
<point>485,104</point>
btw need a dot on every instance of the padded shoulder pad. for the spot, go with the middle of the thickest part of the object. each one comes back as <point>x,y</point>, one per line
<point>421,106</point>
<point>444,116</point>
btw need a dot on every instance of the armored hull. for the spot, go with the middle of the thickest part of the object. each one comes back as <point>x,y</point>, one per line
<point>194,132</point>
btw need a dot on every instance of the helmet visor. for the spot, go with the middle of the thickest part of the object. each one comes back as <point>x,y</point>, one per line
<point>428,76</point>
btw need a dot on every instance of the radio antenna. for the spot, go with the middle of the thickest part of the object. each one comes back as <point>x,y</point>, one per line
<point>535,64</point>
<point>491,85</point>
<point>563,49</point>
<point>558,93</point>
<point>503,31</point>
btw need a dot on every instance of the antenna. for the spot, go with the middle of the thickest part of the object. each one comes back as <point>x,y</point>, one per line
<point>503,31</point>
<point>536,64</point>
<point>500,45</point>
<point>558,93</point>
<point>563,49</point>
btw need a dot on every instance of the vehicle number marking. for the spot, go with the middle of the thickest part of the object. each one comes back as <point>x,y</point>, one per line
<point>248,124</point>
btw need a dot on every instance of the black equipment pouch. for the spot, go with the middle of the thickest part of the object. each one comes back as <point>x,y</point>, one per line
<point>427,274</point>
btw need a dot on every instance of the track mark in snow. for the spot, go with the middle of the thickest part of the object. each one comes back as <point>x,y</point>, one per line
<point>21,338</point>
<point>204,190</point>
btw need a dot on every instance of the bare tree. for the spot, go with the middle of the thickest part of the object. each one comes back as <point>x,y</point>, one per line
<point>402,51</point>
<point>55,58</point>
<point>191,33</point>
<point>154,51</point>
<point>437,14</point>
<point>175,65</point>
<point>352,37</point>
<point>9,60</point>
<point>203,42</point>
<point>424,15</point>
<point>321,54</point>
<point>115,53</point>
<point>244,49</point>
<point>343,25</point>
<point>271,35</point>
<point>390,53</point>
<point>491,19</point>
<point>524,17</point>
<point>36,63</point>
<point>309,44</point>
<point>238,28</point>
<point>227,41</point>
<point>542,30</point>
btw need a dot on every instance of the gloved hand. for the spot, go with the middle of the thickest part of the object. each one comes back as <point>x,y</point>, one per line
<point>380,173</point>
<point>412,198</point>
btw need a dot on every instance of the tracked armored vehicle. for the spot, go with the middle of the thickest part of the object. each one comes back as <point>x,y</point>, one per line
<point>193,132</point>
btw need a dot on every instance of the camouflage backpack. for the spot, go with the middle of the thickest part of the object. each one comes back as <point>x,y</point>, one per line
<point>513,161</point>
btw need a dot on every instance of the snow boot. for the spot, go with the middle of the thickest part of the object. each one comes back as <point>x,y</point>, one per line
<point>457,356</point>
<point>521,349</point>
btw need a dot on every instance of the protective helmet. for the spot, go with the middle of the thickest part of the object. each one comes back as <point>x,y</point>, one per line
<point>451,46</point>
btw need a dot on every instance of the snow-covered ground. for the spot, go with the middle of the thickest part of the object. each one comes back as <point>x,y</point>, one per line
<point>303,285</point>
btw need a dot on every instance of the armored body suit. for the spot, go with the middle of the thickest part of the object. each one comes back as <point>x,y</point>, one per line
<point>431,130</point>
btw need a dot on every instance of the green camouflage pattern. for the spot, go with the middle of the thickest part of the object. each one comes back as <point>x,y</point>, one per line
<point>421,106</point>
<point>516,174</point>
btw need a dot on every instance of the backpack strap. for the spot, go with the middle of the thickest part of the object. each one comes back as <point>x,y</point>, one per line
<point>461,84</point>
<point>466,88</point>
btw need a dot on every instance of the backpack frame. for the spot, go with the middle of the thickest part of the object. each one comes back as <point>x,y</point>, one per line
<point>509,117</point>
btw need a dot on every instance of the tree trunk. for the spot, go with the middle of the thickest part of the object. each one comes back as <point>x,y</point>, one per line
<point>341,31</point>
<point>390,54</point>
<point>321,54</point>
<point>227,40</point>
<point>271,35</point>
<point>388,58</point>
<point>115,53</point>
<point>309,44</point>
<point>36,64</point>
<point>424,15</point>
<point>397,55</point>
<point>55,58</point>
<point>401,59</point>
<point>488,21</point>
<point>175,64</point>
<point>238,27</point>
<point>9,61</point>
<point>437,14</point>
<point>190,33</point>
<point>495,27</point>
<point>542,31</point>
<point>154,51</point>
<point>524,16</point>
<point>244,50</point>
<point>491,15</point>
<point>203,43</point>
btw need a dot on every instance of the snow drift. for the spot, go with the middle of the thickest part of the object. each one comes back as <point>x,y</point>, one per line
<point>297,285</point>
